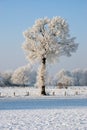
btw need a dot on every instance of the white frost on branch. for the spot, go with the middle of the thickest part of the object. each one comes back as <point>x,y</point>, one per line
<point>48,38</point>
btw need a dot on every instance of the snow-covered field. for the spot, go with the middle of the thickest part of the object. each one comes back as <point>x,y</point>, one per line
<point>62,111</point>
<point>30,91</point>
<point>42,119</point>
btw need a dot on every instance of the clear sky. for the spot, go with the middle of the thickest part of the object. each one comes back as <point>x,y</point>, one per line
<point>18,15</point>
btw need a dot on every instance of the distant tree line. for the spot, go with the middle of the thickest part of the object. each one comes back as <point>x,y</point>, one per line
<point>27,76</point>
<point>23,76</point>
<point>77,77</point>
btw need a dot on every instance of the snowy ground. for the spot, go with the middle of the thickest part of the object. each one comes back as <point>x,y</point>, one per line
<point>59,112</point>
<point>24,91</point>
<point>52,119</point>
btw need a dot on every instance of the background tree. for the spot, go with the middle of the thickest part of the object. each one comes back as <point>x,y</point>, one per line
<point>6,76</point>
<point>65,77</point>
<point>47,40</point>
<point>24,75</point>
<point>85,77</point>
<point>77,75</point>
<point>2,82</point>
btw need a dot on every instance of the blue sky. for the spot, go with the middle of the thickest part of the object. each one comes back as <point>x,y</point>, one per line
<point>18,15</point>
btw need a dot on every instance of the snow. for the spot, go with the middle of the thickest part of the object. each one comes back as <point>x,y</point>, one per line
<point>55,119</point>
<point>32,91</point>
<point>35,112</point>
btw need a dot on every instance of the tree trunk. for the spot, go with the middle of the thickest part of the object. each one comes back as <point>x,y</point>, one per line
<point>43,70</point>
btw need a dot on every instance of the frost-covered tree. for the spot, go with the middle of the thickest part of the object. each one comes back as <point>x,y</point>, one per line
<point>77,75</point>
<point>47,40</point>
<point>6,76</point>
<point>80,77</point>
<point>2,82</point>
<point>65,77</point>
<point>85,77</point>
<point>24,75</point>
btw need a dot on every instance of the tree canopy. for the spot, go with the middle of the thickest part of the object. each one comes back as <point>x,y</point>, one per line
<point>48,38</point>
